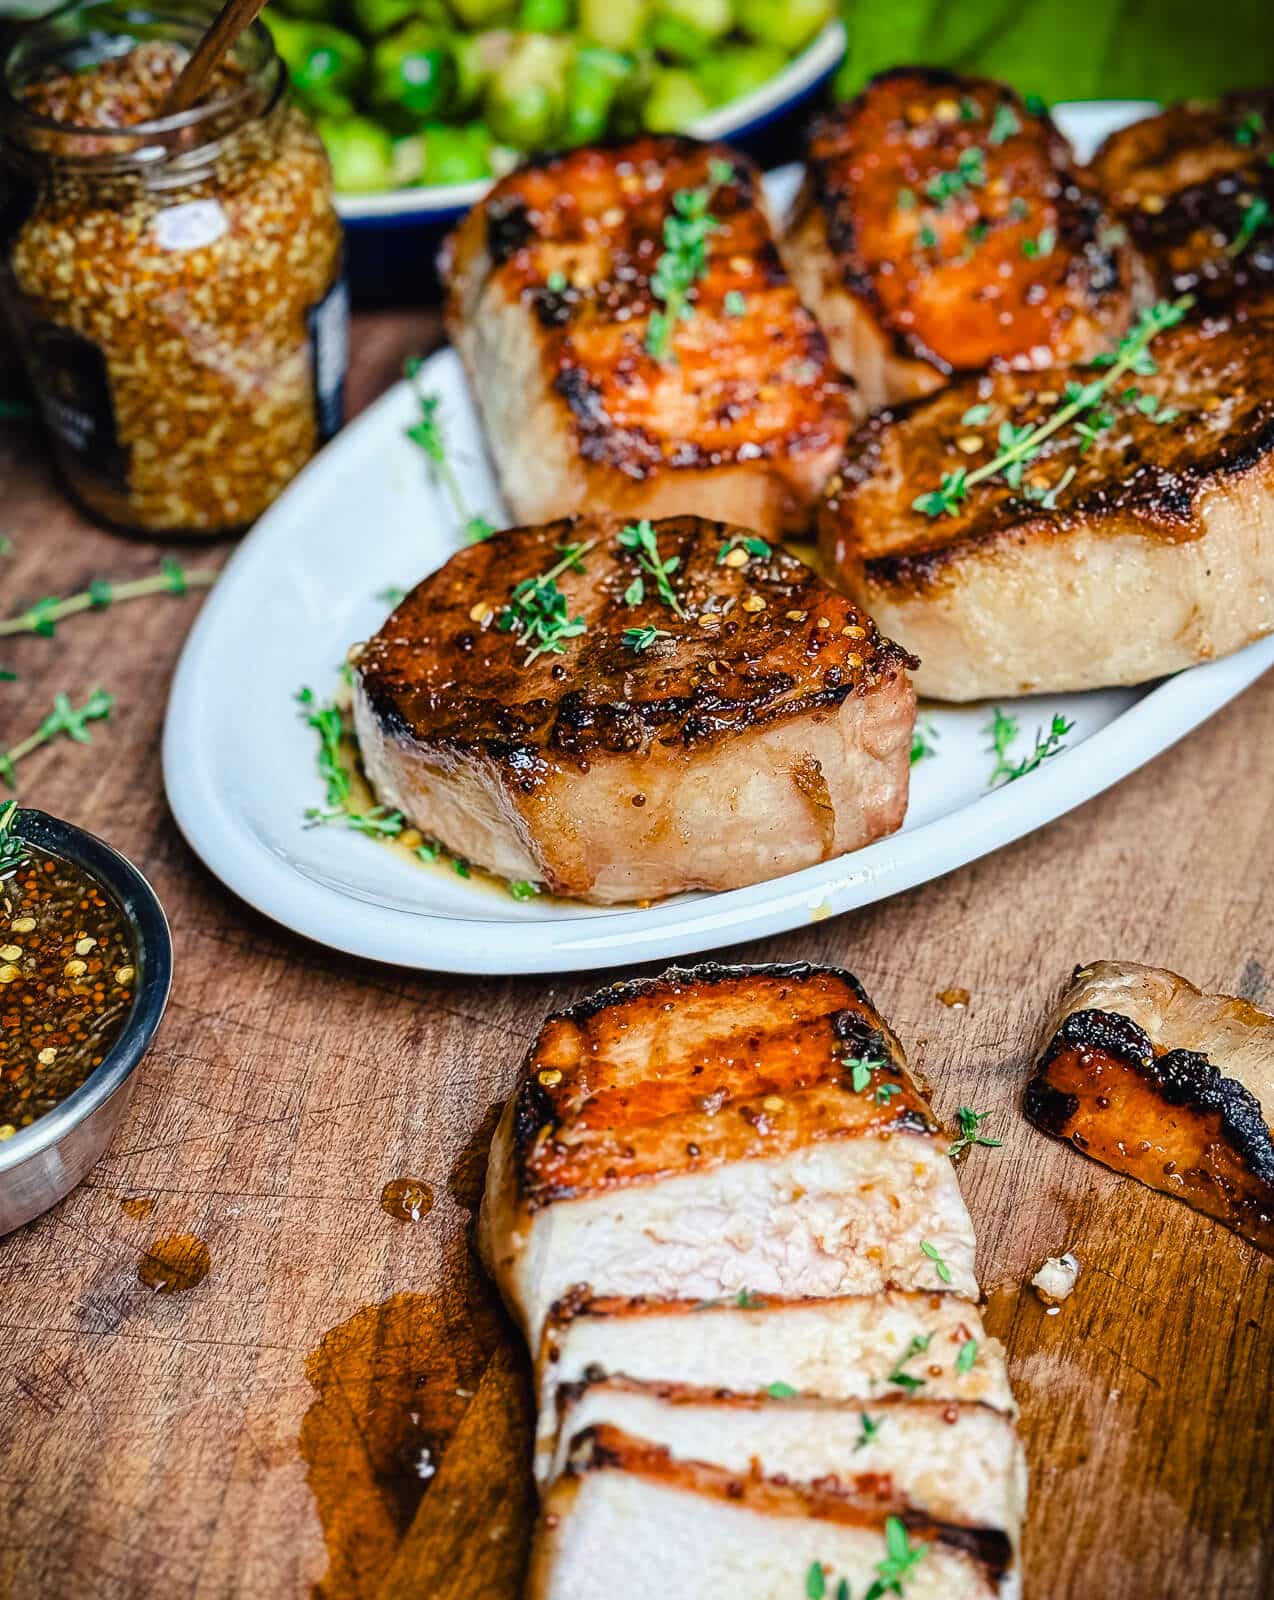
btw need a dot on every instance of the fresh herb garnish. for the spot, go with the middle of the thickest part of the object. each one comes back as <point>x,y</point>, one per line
<point>905,200</point>
<point>536,609</point>
<point>1004,124</point>
<point>967,1356</point>
<point>1002,730</point>
<point>524,889</point>
<point>555,283</point>
<point>1035,104</point>
<point>900,1557</point>
<point>750,543</point>
<point>683,262</point>
<point>1042,245</point>
<point>860,1071</point>
<point>968,1121</point>
<point>640,537</point>
<point>780,1391</point>
<point>641,639</point>
<point>923,741</point>
<point>1020,445</point>
<point>870,1430</point>
<point>460,866</point>
<point>63,719</point>
<point>968,173</point>
<point>1256,213</point>
<point>815,1582</point>
<point>428,433</point>
<point>940,1266</point>
<point>1047,745</point>
<point>904,1380</point>
<point>44,616</point>
<point>885,1092</point>
<point>392,595</point>
<point>976,416</point>
<point>747,1301</point>
<point>13,851</point>
<point>1249,129</point>
<point>328,722</point>
<point>734,304</point>
<point>429,850</point>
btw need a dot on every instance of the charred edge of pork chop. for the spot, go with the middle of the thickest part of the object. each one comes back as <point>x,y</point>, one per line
<point>432,672</point>
<point>899,136</point>
<point>1183,181</point>
<point>1165,1117</point>
<point>604,1449</point>
<point>746,388</point>
<point>584,1122</point>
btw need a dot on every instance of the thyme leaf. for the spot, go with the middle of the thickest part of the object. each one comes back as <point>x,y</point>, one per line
<point>641,639</point>
<point>968,1354</point>
<point>923,741</point>
<point>904,1380</point>
<point>870,1430</point>
<point>968,1122</point>
<point>640,537</point>
<point>940,1266</point>
<point>900,1557</point>
<point>536,610</point>
<point>427,432</point>
<point>683,262</point>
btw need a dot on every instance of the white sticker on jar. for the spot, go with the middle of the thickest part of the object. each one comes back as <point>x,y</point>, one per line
<point>191,226</point>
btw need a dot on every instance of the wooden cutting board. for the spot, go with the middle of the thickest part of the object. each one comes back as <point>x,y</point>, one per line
<point>340,1408</point>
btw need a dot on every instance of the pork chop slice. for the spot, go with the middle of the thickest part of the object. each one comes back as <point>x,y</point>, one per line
<point>1138,539</point>
<point>1146,1074</point>
<point>626,1518</point>
<point>716,1130</point>
<point>943,227</point>
<point>734,411</point>
<point>722,720</point>
<point>1194,186</point>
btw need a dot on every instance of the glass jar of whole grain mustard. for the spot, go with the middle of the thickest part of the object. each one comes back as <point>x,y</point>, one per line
<point>175,285</point>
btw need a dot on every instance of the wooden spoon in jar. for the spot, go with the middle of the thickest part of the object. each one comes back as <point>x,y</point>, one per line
<point>195,76</point>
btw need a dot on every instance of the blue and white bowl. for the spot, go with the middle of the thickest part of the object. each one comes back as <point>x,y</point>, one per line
<point>392,238</point>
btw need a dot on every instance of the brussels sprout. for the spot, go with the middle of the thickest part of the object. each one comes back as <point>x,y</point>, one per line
<point>375,17</point>
<point>790,24</point>
<point>711,17</point>
<point>361,153</point>
<point>326,66</point>
<point>594,81</point>
<point>477,55</point>
<point>617,24</point>
<point>525,101</point>
<point>546,16</point>
<point>736,70</point>
<point>456,155</point>
<point>482,13</point>
<point>412,75</point>
<point>680,40</point>
<point>674,101</point>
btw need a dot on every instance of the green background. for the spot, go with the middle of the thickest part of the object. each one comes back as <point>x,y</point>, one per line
<point>1155,51</point>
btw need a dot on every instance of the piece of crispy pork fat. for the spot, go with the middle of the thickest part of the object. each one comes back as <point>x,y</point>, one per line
<point>944,227</point>
<point>698,1135</point>
<point>549,302</point>
<point>761,726</point>
<point>1150,551</point>
<point>626,1518</point>
<point>1148,1075</point>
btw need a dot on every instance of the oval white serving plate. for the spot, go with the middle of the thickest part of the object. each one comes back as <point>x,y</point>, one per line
<point>239,762</point>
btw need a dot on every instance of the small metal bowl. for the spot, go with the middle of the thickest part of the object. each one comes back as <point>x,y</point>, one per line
<point>41,1163</point>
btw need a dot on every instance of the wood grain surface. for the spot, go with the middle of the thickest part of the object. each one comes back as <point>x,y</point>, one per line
<point>339,1407</point>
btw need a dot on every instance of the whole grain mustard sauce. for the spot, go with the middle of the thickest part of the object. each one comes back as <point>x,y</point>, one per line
<point>177,295</point>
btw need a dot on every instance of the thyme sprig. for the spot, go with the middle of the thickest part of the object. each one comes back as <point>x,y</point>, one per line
<point>1256,213</point>
<point>428,433</point>
<point>684,260</point>
<point>924,740</point>
<point>1019,445</point>
<point>64,719</point>
<point>536,610</point>
<point>900,1556</point>
<point>641,539</point>
<point>641,639</point>
<point>904,1380</point>
<point>43,617</point>
<point>968,1122</point>
<point>870,1428</point>
<point>13,851</point>
<point>329,723</point>
<point>1047,745</point>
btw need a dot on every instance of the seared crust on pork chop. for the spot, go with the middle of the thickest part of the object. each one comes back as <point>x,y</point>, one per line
<point>671,1523</point>
<point>943,227</point>
<point>1174,1087</point>
<point>1195,188</point>
<point>1147,552</point>
<point>549,304</point>
<point>700,1134</point>
<point>763,727</point>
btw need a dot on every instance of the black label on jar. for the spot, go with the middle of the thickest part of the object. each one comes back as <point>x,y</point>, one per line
<point>329,356</point>
<point>73,387</point>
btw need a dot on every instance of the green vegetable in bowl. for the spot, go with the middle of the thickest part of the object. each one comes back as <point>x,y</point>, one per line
<point>525,101</point>
<point>712,18</point>
<point>592,87</point>
<point>482,13</point>
<point>736,70</point>
<point>477,55</point>
<point>375,18</point>
<point>617,24</point>
<point>310,10</point>
<point>675,99</point>
<point>790,24</point>
<point>361,153</point>
<point>681,41</point>
<point>412,75</point>
<point>456,155</point>
<point>326,65</point>
<point>546,16</point>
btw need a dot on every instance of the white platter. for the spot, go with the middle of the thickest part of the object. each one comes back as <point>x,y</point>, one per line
<point>239,762</point>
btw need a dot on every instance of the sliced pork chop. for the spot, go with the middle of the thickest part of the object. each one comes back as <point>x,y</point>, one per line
<point>957,1462</point>
<point>943,227</point>
<point>1148,1075</point>
<point>740,415</point>
<point>716,1130</point>
<point>753,724</point>
<point>1195,187</point>
<point>625,1518</point>
<point>1111,562</point>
